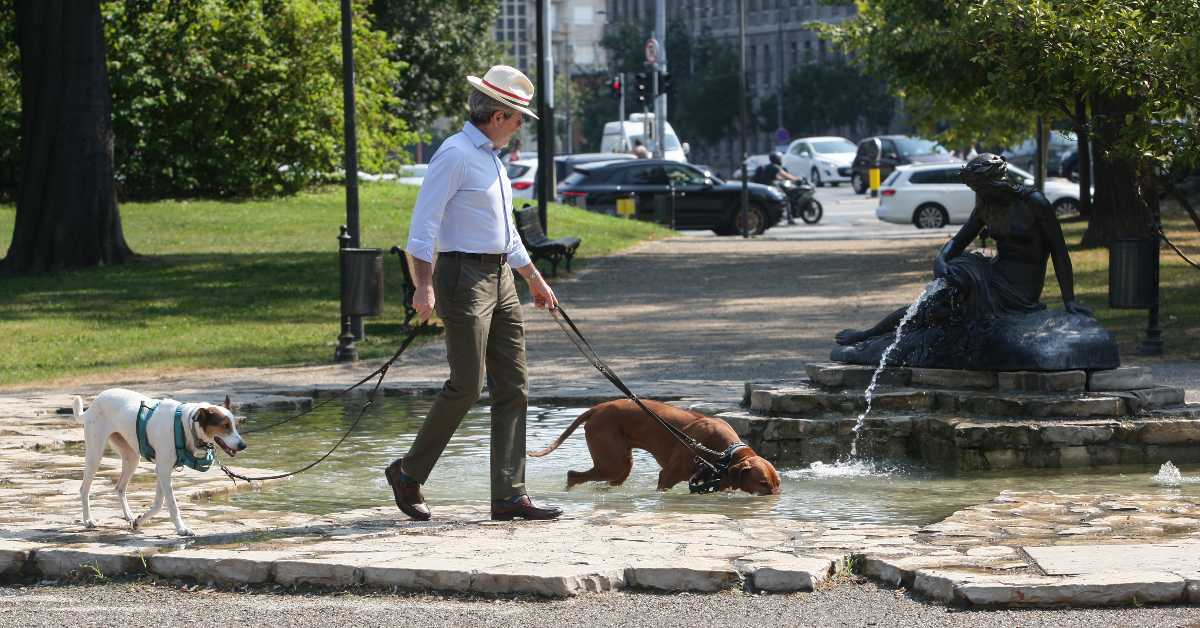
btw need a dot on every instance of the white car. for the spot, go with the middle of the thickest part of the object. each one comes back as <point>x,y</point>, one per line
<point>821,160</point>
<point>412,174</point>
<point>932,196</point>
<point>520,174</point>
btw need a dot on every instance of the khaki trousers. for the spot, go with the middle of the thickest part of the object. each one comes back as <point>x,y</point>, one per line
<point>477,302</point>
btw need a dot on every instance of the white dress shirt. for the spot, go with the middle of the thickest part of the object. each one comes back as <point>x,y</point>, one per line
<point>465,202</point>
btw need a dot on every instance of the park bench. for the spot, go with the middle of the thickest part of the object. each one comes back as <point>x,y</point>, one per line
<point>541,247</point>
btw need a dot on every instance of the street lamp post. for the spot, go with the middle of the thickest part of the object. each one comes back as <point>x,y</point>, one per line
<point>354,325</point>
<point>545,127</point>
<point>742,116</point>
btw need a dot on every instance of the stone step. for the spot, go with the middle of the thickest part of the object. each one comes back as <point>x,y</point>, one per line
<point>838,376</point>
<point>805,399</point>
<point>967,443</point>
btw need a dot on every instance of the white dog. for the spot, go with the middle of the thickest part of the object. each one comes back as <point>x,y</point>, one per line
<point>113,416</point>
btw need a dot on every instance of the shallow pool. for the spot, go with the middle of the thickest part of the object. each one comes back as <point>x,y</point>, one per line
<point>352,477</point>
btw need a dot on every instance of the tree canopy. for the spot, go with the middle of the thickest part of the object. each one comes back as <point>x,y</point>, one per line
<point>829,94</point>
<point>440,43</point>
<point>1123,69</point>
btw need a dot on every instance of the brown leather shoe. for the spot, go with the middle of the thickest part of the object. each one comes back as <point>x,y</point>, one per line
<point>408,494</point>
<point>506,510</point>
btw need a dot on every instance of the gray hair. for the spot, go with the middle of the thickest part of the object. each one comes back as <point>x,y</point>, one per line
<point>481,107</point>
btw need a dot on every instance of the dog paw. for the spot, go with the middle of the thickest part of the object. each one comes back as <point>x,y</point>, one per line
<point>89,523</point>
<point>184,532</point>
<point>136,524</point>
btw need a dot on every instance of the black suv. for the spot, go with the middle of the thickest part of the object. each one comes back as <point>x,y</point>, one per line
<point>672,193</point>
<point>892,151</point>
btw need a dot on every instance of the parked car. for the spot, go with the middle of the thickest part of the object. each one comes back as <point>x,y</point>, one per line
<point>821,159</point>
<point>933,196</point>
<point>521,174</point>
<point>565,164</point>
<point>670,192</point>
<point>1024,154</point>
<point>892,151</point>
<point>412,174</point>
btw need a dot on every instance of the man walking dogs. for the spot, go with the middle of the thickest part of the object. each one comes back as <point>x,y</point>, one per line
<point>464,215</point>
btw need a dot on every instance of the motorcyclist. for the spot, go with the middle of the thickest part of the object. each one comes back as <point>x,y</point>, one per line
<point>773,173</point>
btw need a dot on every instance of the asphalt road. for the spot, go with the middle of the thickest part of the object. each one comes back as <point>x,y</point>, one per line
<point>849,216</point>
<point>865,604</point>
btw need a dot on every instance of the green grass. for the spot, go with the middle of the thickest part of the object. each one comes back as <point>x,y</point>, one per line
<point>1180,290</point>
<point>226,284</point>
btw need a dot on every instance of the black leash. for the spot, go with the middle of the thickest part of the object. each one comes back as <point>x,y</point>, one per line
<point>380,372</point>
<point>585,348</point>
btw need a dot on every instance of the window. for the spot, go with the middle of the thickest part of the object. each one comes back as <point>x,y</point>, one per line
<point>938,176</point>
<point>646,175</point>
<point>795,54</point>
<point>916,146</point>
<point>767,64</point>
<point>682,175</point>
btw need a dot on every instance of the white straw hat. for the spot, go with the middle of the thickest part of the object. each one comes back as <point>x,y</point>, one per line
<point>507,85</point>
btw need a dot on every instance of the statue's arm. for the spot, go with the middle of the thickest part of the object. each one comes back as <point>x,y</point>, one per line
<point>1063,270</point>
<point>957,244</point>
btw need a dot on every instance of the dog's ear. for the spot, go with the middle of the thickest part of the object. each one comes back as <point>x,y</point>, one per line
<point>228,406</point>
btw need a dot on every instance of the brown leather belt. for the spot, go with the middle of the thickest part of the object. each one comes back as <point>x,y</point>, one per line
<point>487,258</point>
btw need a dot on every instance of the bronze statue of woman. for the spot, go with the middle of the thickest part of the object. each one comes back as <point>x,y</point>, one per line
<point>1027,233</point>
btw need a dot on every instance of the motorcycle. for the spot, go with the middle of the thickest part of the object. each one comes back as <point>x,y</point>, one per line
<point>800,200</point>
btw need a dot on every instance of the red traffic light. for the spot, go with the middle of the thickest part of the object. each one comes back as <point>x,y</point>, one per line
<point>614,87</point>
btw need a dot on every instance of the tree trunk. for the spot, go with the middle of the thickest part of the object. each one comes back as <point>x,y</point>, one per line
<point>66,203</point>
<point>1084,162</point>
<point>1119,208</point>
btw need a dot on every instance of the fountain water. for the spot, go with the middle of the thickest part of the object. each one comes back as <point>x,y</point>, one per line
<point>930,288</point>
<point>1169,475</point>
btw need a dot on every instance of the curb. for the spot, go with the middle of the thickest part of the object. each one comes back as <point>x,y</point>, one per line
<point>290,568</point>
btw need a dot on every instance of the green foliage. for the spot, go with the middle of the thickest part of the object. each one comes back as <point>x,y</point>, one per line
<point>216,98</point>
<point>440,42</point>
<point>831,94</point>
<point>985,65</point>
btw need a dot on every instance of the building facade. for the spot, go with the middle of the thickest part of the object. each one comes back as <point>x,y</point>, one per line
<point>576,28</point>
<point>778,39</point>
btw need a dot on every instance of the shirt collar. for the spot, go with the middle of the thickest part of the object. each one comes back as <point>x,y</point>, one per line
<point>477,137</point>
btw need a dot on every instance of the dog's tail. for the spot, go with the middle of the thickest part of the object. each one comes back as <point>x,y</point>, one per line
<point>583,418</point>
<point>77,408</point>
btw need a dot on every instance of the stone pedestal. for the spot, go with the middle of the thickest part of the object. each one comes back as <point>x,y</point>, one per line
<point>964,420</point>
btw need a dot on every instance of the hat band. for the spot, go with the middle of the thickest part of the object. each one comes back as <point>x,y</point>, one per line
<point>524,102</point>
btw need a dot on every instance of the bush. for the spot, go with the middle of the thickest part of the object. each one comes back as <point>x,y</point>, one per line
<point>220,98</point>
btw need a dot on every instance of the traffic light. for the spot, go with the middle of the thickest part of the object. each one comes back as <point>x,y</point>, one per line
<point>643,86</point>
<point>664,83</point>
<point>614,87</point>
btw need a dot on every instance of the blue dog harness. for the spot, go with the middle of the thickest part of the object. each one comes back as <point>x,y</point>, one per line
<point>183,455</point>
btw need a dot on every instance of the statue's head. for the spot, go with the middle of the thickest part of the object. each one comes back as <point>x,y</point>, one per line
<point>987,173</point>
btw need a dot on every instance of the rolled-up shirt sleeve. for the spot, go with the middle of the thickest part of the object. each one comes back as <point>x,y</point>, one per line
<point>442,180</point>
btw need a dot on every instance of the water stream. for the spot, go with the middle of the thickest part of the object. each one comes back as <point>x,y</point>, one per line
<point>930,288</point>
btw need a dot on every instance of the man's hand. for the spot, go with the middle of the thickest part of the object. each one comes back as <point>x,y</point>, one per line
<point>543,295</point>
<point>1075,307</point>
<point>423,301</point>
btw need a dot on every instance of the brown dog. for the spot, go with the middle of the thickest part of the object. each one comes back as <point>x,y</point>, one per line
<point>614,428</point>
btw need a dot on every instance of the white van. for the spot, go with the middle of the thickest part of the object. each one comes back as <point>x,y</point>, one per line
<point>619,137</point>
